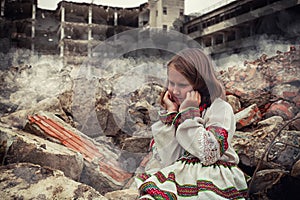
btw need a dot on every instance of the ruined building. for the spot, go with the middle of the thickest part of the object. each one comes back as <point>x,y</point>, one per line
<point>232,26</point>
<point>73,29</point>
<point>163,13</point>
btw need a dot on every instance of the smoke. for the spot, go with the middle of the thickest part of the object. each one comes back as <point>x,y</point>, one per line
<point>121,58</point>
<point>32,78</point>
<point>272,33</point>
<point>256,47</point>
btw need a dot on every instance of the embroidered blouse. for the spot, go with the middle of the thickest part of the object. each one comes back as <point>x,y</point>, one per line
<point>205,135</point>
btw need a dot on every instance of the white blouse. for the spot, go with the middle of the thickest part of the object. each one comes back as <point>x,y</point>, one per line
<point>207,137</point>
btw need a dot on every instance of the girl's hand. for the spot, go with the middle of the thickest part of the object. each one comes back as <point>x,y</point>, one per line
<point>169,104</point>
<point>192,99</point>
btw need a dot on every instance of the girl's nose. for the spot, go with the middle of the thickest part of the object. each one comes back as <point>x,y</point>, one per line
<point>176,91</point>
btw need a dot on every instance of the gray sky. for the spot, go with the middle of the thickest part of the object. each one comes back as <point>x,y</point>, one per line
<point>190,5</point>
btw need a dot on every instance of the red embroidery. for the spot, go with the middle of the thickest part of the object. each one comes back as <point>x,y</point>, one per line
<point>188,190</point>
<point>221,135</point>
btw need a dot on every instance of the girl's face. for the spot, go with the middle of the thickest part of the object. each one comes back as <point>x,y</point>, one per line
<point>178,85</point>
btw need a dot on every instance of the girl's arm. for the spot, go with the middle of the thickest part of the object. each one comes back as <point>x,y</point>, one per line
<point>209,137</point>
<point>166,148</point>
<point>165,143</point>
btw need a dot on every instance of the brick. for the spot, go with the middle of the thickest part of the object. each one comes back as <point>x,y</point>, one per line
<point>247,116</point>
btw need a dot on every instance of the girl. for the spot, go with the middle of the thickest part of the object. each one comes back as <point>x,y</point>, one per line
<point>192,155</point>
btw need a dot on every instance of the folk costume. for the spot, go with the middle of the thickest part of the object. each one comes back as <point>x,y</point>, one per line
<point>192,156</point>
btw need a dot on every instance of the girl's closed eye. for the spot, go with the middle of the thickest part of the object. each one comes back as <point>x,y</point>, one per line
<point>183,85</point>
<point>171,83</point>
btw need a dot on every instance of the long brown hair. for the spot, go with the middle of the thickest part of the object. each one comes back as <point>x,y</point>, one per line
<point>198,69</point>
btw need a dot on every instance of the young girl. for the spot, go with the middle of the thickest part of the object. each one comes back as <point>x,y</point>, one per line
<point>192,155</point>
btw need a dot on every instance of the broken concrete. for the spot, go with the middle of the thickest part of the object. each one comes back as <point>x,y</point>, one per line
<point>27,181</point>
<point>127,113</point>
<point>125,194</point>
<point>20,146</point>
<point>104,169</point>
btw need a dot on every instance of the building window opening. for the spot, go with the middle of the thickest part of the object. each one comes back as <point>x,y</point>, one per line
<point>231,36</point>
<point>219,39</point>
<point>181,29</point>
<point>165,12</point>
<point>181,11</point>
<point>165,27</point>
<point>207,42</point>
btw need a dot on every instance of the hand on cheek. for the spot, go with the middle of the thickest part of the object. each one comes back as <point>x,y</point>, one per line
<point>170,105</point>
<point>192,99</point>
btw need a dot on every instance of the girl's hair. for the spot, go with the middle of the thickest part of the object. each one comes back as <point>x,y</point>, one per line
<point>198,69</point>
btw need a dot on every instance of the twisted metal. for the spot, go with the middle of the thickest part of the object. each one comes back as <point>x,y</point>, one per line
<point>266,152</point>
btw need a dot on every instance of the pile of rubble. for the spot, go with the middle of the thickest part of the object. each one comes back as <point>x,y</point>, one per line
<point>45,147</point>
<point>265,97</point>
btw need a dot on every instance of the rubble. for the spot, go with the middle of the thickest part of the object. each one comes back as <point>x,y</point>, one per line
<point>295,172</point>
<point>20,146</point>
<point>101,168</point>
<point>122,194</point>
<point>282,108</point>
<point>264,95</point>
<point>234,102</point>
<point>29,181</point>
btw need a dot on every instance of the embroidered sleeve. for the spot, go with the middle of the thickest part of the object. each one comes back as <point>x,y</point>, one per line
<point>212,145</point>
<point>167,118</point>
<point>221,135</point>
<point>208,150</point>
<point>175,118</point>
<point>207,138</point>
<point>189,113</point>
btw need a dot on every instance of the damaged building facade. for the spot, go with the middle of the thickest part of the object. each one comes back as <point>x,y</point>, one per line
<point>234,26</point>
<point>74,29</point>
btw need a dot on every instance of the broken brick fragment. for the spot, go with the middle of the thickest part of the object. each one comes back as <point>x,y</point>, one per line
<point>281,108</point>
<point>248,116</point>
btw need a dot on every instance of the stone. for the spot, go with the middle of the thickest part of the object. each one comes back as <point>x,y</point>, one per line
<point>285,91</point>
<point>125,194</point>
<point>271,121</point>
<point>285,150</point>
<point>266,179</point>
<point>251,145</point>
<point>296,100</point>
<point>136,144</point>
<point>296,170</point>
<point>18,119</point>
<point>114,109</point>
<point>234,102</point>
<point>105,176</point>
<point>249,85</point>
<point>295,124</point>
<point>264,79</point>
<point>30,181</point>
<point>112,116</point>
<point>21,146</point>
<point>282,108</point>
<point>102,167</point>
